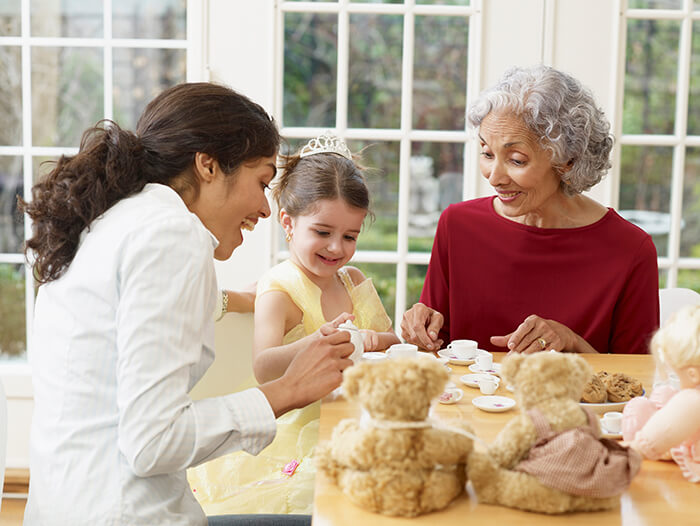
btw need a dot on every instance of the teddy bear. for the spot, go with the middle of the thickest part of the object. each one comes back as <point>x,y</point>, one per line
<point>550,457</point>
<point>395,460</point>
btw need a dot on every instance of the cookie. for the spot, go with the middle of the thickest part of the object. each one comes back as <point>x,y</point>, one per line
<point>594,392</point>
<point>622,387</point>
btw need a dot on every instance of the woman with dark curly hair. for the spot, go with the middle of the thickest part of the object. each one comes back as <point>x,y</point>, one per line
<point>125,237</point>
<point>538,266</point>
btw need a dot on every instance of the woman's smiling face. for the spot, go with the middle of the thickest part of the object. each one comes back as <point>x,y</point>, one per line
<point>518,168</point>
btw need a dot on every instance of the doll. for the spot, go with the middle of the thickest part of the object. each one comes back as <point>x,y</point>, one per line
<point>675,427</point>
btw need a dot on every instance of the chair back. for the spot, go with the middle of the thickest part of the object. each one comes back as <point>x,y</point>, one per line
<point>671,300</point>
<point>3,438</point>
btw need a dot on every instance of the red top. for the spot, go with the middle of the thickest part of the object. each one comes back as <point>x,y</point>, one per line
<point>488,273</point>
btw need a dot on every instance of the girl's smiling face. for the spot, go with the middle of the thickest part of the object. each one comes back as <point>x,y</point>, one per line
<point>323,240</point>
<point>520,170</point>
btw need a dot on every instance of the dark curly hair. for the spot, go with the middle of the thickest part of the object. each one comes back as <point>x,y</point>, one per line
<point>113,163</point>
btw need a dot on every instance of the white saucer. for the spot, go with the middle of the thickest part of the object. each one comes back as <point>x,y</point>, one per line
<point>494,404</point>
<point>496,369</point>
<point>447,353</point>
<point>451,396</point>
<point>472,380</point>
<point>374,356</point>
<point>605,433</point>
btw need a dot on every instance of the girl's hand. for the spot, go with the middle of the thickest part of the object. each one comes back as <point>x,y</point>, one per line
<point>371,340</point>
<point>537,334</point>
<point>329,327</point>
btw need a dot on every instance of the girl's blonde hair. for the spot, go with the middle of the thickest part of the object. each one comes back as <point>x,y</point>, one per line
<point>677,343</point>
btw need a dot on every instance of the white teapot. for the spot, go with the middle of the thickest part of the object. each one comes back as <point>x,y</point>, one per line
<point>355,338</point>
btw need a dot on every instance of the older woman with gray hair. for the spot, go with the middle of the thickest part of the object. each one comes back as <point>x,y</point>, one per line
<point>538,266</point>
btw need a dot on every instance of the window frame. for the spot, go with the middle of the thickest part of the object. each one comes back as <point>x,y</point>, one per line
<point>16,375</point>
<point>405,135</point>
<point>680,141</point>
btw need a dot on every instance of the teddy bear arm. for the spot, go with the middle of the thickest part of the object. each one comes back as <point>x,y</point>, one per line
<point>513,442</point>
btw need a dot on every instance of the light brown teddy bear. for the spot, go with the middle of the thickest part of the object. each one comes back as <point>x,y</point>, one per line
<point>550,458</point>
<point>395,460</point>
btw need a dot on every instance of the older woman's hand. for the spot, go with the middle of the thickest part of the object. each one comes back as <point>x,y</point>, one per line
<point>421,325</point>
<point>537,334</point>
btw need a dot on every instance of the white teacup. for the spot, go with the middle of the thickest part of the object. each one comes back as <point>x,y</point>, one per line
<point>488,384</point>
<point>463,349</point>
<point>403,350</point>
<point>484,361</point>
<point>612,420</point>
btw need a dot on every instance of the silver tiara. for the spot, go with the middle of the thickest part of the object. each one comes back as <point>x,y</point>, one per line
<point>326,143</point>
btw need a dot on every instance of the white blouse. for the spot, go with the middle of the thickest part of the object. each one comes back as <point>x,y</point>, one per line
<point>118,342</point>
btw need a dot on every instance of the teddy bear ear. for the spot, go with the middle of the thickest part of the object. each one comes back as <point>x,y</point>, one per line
<point>511,366</point>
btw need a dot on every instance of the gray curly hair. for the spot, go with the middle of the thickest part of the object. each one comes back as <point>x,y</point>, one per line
<point>562,113</point>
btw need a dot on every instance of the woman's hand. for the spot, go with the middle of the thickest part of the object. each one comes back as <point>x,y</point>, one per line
<point>421,325</point>
<point>537,334</point>
<point>313,373</point>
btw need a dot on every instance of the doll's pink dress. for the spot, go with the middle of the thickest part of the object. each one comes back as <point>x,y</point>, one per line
<point>675,427</point>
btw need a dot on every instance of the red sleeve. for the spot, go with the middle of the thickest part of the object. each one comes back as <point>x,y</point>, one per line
<point>636,314</point>
<point>435,292</point>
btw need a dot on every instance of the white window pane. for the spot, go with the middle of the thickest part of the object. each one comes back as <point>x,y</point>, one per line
<point>650,76</point>
<point>13,343</point>
<point>10,96</point>
<point>382,159</point>
<point>436,182</point>
<point>654,4</point>
<point>414,283</point>
<point>310,69</point>
<point>443,2</point>
<point>67,18</point>
<point>690,231</point>
<point>67,93</point>
<point>694,84</point>
<point>374,90</point>
<point>10,18</point>
<point>11,222</point>
<point>645,191</point>
<point>689,279</point>
<point>139,75</point>
<point>440,72</point>
<point>153,19</point>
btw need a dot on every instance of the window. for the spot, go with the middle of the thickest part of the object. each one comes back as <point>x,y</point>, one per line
<point>66,64</point>
<point>659,158</point>
<point>393,78</point>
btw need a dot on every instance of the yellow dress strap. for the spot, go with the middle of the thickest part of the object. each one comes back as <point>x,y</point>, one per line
<point>346,280</point>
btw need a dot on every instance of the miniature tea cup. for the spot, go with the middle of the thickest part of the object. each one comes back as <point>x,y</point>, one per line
<point>463,349</point>
<point>484,361</point>
<point>451,396</point>
<point>488,384</point>
<point>403,350</point>
<point>612,421</point>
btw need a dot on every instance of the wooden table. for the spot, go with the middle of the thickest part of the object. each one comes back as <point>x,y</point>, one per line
<point>658,495</point>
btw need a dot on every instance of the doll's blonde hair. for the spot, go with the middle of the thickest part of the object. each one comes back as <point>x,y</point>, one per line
<point>677,343</point>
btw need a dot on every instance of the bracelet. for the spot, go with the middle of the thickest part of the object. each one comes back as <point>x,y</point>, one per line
<point>224,305</point>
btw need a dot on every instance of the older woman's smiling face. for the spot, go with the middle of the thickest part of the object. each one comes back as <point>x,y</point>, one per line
<point>520,170</point>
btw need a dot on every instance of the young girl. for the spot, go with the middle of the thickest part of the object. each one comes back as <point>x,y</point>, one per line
<point>322,200</point>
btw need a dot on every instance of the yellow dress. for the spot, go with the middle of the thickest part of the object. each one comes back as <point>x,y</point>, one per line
<point>242,483</point>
